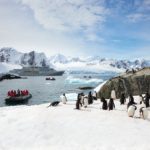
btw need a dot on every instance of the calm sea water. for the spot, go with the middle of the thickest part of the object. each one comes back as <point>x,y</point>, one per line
<point>44,91</point>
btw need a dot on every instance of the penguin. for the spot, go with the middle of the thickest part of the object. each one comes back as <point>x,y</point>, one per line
<point>131,110</point>
<point>122,99</point>
<point>85,101</point>
<point>78,102</point>
<point>95,95</point>
<point>90,98</point>
<point>111,104</point>
<point>82,98</point>
<point>104,105</point>
<point>143,113</point>
<point>64,99</point>
<point>113,94</point>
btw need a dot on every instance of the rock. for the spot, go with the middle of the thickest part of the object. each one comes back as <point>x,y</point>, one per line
<point>86,88</point>
<point>9,76</point>
<point>133,82</point>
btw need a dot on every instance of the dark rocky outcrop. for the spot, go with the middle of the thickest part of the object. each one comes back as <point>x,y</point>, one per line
<point>128,83</point>
<point>86,88</point>
<point>8,76</point>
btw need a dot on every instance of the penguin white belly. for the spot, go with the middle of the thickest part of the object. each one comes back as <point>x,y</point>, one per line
<point>64,100</point>
<point>145,113</point>
<point>82,99</point>
<point>131,111</point>
<point>85,101</point>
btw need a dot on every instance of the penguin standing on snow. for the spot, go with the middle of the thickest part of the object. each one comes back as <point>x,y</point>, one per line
<point>64,99</point>
<point>85,101</point>
<point>78,102</point>
<point>113,94</point>
<point>82,98</point>
<point>95,95</point>
<point>104,105</point>
<point>131,101</point>
<point>143,113</point>
<point>131,110</point>
<point>122,99</point>
<point>90,98</point>
<point>147,97</point>
<point>111,104</point>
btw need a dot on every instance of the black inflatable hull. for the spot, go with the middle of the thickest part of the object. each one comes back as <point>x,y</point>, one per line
<point>17,100</point>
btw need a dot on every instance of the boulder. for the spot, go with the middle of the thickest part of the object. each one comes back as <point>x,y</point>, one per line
<point>136,82</point>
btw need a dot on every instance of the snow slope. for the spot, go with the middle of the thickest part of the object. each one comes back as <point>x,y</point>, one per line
<point>5,67</point>
<point>63,127</point>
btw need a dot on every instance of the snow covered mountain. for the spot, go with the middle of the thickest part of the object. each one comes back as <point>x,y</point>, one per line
<point>95,63</point>
<point>11,57</point>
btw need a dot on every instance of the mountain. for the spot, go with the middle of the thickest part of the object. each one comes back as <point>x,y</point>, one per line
<point>10,58</point>
<point>10,55</point>
<point>59,58</point>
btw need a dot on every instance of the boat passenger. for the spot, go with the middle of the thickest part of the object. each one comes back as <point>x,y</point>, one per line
<point>27,92</point>
<point>18,92</point>
<point>8,94</point>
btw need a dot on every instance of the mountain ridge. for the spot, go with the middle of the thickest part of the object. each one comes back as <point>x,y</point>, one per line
<point>10,55</point>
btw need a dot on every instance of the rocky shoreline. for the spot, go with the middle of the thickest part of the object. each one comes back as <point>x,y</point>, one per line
<point>135,83</point>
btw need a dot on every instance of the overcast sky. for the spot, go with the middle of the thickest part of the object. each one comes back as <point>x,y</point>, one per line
<point>108,28</point>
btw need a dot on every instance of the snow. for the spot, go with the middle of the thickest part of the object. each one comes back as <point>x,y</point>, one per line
<point>53,128</point>
<point>61,62</point>
<point>82,66</point>
<point>5,67</point>
<point>75,80</point>
<point>97,89</point>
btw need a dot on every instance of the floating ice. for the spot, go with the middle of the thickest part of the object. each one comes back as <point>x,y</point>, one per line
<point>70,96</point>
<point>72,80</point>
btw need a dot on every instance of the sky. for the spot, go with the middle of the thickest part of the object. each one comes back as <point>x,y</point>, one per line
<point>108,28</point>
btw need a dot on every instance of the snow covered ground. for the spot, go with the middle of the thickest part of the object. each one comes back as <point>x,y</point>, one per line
<point>64,128</point>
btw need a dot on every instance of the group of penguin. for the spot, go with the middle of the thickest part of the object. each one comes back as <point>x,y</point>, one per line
<point>85,100</point>
<point>144,104</point>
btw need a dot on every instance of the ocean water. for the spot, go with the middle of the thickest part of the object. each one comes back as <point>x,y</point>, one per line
<point>45,91</point>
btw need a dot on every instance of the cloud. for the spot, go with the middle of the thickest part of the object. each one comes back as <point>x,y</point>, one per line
<point>136,17</point>
<point>68,15</point>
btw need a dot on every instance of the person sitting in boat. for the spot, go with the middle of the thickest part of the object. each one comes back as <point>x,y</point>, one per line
<point>18,92</point>
<point>12,93</point>
<point>22,93</point>
<point>27,92</point>
<point>9,93</point>
<point>15,93</point>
